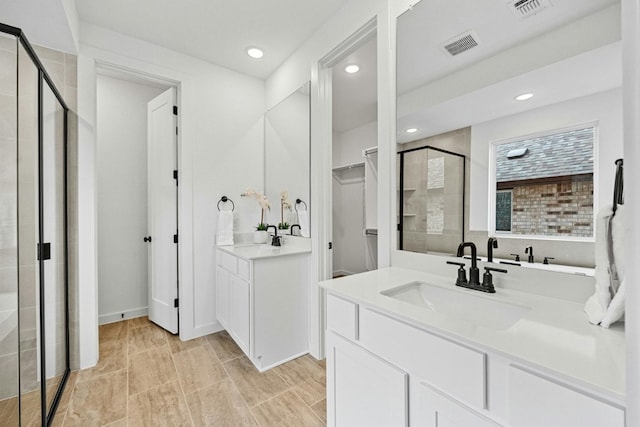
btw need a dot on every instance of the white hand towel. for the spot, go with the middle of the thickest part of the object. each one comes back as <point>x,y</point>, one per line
<point>597,304</point>
<point>225,228</point>
<point>615,311</point>
<point>601,308</point>
<point>303,220</point>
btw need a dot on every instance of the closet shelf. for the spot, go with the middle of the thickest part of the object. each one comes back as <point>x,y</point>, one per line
<point>348,167</point>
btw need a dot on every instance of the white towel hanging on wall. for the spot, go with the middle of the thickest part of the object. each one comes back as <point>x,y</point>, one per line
<point>606,305</point>
<point>225,228</point>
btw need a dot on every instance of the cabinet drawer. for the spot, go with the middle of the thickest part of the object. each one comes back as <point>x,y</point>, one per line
<point>342,317</point>
<point>230,262</point>
<point>456,370</point>
<point>536,401</point>
<point>243,269</point>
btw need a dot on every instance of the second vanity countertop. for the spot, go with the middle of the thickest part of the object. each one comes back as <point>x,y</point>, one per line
<point>553,335</point>
<point>251,251</point>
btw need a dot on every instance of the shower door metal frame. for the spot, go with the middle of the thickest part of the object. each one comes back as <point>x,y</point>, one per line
<point>43,77</point>
<point>401,188</point>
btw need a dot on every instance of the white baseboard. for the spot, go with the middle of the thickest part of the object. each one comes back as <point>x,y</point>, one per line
<point>116,317</point>
<point>343,273</point>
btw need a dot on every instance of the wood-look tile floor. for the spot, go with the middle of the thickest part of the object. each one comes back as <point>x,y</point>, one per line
<point>147,377</point>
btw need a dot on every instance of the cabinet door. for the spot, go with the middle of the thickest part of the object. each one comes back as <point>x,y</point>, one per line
<point>435,409</point>
<point>222,296</point>
<point>239,312</point>
<point>362,389</point>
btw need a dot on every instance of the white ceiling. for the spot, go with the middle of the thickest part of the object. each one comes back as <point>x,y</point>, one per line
<point>355,96</point>
<point>44,22</point>
<point>218,31</point>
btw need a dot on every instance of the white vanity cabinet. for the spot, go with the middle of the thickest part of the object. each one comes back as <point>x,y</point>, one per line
<point>233,303</point>
<point>262,303</point>
<point>385,371</point>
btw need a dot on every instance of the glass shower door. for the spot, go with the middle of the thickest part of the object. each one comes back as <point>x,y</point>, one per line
<point>9,349</point>
<point>28,189</point>
<point>53,245</point>
<point>431,200</point>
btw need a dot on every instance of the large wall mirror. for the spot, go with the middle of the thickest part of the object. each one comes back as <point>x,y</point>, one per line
<point>286,156</point>
<point>531,97</point>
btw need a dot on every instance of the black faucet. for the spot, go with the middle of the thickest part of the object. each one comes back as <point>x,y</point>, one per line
<point>275,241</point>
<point>474,274</point>
<point>529,250</point>
<point>492,244</point>
<point>295,225</point>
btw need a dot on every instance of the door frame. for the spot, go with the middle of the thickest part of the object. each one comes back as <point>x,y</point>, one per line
<point>136,76</point>
<point>321,178</point>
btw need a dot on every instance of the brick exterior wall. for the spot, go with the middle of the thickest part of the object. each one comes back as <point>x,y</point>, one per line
<point>558,209</point>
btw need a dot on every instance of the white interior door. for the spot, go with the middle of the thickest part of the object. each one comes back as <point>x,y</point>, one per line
<point>163,217</point>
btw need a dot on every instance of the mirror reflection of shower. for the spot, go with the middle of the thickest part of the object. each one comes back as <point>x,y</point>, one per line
<point>431,195</point>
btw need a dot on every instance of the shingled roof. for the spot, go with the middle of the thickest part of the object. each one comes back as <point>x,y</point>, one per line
<point>563,153</point>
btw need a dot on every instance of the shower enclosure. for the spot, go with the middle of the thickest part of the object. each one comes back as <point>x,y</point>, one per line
<point>431,198</point>
<point>34,303</point>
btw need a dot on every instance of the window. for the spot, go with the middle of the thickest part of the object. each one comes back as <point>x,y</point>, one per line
<point>544,184</point>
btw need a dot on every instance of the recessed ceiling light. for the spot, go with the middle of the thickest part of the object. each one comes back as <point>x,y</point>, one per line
<point>255,53</point>
<point>524,96</point>
<point>411,130</point>
<point>352,69</point>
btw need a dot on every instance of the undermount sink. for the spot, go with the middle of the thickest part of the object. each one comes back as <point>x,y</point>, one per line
<point>460,304</point>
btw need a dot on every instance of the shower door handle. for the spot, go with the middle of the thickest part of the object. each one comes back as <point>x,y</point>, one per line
<point>147,239</point>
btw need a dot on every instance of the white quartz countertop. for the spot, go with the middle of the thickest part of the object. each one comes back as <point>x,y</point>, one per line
<point>554,335</point>
<point>259,251</point>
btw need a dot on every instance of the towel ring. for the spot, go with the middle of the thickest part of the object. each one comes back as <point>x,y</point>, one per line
<point>299,201</point>
<point>225,199</point>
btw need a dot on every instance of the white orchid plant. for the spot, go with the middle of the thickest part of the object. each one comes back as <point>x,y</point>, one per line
<point>284,204</point>
<point>264,205</point>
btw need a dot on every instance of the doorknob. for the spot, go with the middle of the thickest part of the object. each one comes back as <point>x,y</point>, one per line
<point>147,239</point>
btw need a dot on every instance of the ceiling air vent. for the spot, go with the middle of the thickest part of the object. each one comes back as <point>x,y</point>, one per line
<point>526,8</point>
<point>461,43</point>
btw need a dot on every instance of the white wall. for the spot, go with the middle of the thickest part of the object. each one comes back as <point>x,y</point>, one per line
<point>348,146</point>
<point>631,57</point>
<point>122,196</point>
<point>221,152</point>
<point>604,107</point>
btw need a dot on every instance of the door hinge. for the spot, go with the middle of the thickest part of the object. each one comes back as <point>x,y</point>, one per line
<point>44,251</point>
<point>175,176</point>
<point>176,303</point>
<point>176,130</point>
<point>175,238</point>
<point>175,110</point>
<point>330,245</point>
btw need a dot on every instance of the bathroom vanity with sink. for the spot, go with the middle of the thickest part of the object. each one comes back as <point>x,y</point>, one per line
<point>261,300</point>
<point>408,348</point>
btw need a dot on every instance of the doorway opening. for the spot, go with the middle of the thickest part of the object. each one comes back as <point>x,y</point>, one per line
<point>137,197</point>
<point>355,160</point>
